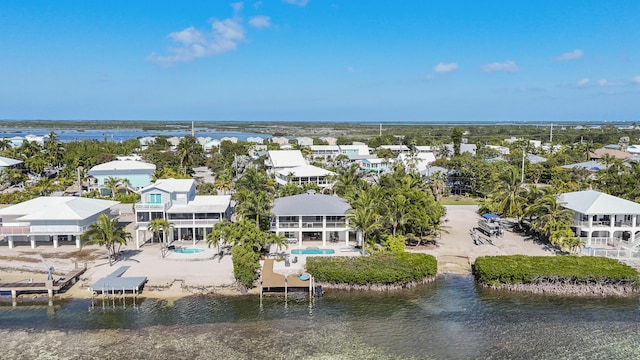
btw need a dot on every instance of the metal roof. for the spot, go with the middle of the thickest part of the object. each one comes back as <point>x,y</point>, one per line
<point>286,158</point>
<point>6,162</point>
<point>58,208</point>
<point>305,171</point>
<point>172,185</point>
<point>203,204</point>
<point>591,202</point>
<point>120,165</point>
<point>310,204</point>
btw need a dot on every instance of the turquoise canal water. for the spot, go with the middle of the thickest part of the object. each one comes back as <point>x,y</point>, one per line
<point>448,319</point>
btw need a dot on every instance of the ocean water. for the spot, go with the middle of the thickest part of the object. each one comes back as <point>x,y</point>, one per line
<point>451,318</point>
<point>118,135</point>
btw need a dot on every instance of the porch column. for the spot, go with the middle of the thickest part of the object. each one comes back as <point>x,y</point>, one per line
<point>324,231</point>
<point>33,241</point>
<point>193,231</point>
<point>55,241</point>
<point>300,231</point>
<point>77,241</point>
<point>346,232</point>
<point>137,238</point>
<point>10,241</point>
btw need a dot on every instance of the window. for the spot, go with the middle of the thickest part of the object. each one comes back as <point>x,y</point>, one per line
<point>155,198</point>
<point>143,216</point>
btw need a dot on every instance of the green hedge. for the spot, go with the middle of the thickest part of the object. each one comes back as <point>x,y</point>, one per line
<point>521,269</point>
<point>381,269</point>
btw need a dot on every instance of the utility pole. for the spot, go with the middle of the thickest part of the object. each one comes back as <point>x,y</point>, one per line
<point>522,176</point>
<point>551,134</point>
<point>380,129</point>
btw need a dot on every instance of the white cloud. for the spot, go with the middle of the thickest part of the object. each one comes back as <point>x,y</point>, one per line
<point>350,69</point>
<point>192,43</point>
<point>445,68</point>
<point>260,21</point>
<point>583,82</point>
<point>257,4</point>
<point>571,55</point>
<point>187,36</point>
<point>427,77</point>
<point>636,80</point>
<point>237,7</point>
<point>507,66</point>
<point>296,2</point>
<point>603,82</point>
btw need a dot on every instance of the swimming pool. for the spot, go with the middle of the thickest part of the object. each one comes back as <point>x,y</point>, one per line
<point>188,250</point>
<point>312,251</point>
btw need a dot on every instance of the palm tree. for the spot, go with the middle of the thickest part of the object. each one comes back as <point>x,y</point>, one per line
<point>157,225</point>
<point>223,182</point>
<point>106,232</point>
<point>126,184</point>
<point>510,194</point>
<point>113,184</point>
<point>363,220</point>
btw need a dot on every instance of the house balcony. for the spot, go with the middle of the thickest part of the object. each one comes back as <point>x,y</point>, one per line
<point>604,223</point>
<point>194,223</point>
<point>152,207</point>
<point>41,230</point>
<point>286,225</point>
<point>15,230</point>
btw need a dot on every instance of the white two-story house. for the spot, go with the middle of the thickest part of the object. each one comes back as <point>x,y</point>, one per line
<point>311,218</point>
<point>191,216</point>
<point>51,219</point>
<point>602,220</point>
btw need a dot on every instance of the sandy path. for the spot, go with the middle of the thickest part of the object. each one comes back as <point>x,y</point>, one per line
<point>456,250</point>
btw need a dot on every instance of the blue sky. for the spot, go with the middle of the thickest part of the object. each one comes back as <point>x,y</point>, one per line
<point>317,60</point>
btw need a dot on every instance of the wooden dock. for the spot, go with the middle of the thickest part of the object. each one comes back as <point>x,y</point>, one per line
<point>274,282</point>
<point>50,286</point>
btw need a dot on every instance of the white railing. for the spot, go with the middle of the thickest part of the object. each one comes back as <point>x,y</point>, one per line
<point>52,229</point>
<point>600,241</point>
<point>194,222</point>
<point>336,224</point>
<point>152,207</point>
<point>612,253</point>
<point>15,230</point>
<point>287,225</point>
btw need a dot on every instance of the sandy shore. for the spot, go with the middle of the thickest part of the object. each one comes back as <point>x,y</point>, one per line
<point>178,275</point>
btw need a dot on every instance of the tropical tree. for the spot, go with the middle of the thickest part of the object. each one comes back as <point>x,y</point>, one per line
<point>106,232</point>
<point>113,185</point>
<point>510,194</point>
<point>190,152</point>
<point>157,225</point>
<point>365,221</point>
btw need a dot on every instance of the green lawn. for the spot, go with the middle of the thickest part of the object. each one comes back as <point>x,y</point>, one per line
<point>458,200</point>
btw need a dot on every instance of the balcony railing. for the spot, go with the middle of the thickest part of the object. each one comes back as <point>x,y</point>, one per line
<point>336,224</point>
<point>15,230</point>
<point>152,207</point>
<point>194,222</point>
<point>41,230</point>
<point>288,225</point>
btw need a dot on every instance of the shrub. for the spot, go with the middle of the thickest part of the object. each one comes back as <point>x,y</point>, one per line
<point>246,263</point>
<point>381,269</point>
<point>521,269</point>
